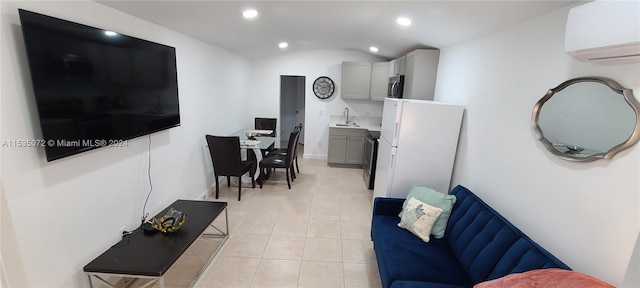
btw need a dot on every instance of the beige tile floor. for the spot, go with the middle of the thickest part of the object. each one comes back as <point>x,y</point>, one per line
<point>315,234</point>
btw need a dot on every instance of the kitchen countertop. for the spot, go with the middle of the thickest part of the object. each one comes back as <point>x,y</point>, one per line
<point>366,123</point>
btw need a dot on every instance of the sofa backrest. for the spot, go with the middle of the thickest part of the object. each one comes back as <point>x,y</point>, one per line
<point>487,245</point>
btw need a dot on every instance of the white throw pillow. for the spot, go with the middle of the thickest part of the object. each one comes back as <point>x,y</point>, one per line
<point>418,217</point>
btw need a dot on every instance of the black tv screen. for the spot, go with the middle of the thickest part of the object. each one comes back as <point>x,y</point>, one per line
<point>96,88</point>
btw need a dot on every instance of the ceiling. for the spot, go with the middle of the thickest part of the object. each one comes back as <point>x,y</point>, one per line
<point>344,25</point>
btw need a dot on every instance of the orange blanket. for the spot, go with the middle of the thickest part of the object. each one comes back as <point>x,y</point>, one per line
<point>545,278</point>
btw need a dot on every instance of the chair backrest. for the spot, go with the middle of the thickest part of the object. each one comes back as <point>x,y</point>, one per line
<point>266,124</point>
<point>225,154</point>
<point>299,129</point>
<point>291,147</point>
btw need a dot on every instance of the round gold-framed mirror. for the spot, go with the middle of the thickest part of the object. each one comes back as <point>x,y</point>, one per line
<point>587,118</point>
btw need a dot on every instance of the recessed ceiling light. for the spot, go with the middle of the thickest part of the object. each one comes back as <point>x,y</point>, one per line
<point>373,49</point>
<point>249,13</point>
<point>283,45</point>
<point>404,21</point>
<point>110,33</point>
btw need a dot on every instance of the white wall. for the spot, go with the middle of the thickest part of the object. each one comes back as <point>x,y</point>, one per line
<point>585,213</point>
<point>265,91</point>
<point>58,216</point>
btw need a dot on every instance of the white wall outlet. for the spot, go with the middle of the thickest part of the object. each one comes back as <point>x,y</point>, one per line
<point>320,113</point>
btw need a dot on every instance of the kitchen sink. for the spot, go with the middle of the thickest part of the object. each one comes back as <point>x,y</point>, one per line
<point>347,125</point>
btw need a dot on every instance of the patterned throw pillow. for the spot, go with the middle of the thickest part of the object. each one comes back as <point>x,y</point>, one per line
<point>418,218</point>
<point>437,199</point>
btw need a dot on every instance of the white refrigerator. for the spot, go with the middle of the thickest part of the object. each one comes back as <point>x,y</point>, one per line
<point>417,145</point>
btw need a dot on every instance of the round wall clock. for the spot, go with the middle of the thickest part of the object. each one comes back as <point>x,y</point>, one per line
<point>323,87</point>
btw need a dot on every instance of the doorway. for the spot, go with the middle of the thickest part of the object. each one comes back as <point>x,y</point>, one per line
<point>292,105</point>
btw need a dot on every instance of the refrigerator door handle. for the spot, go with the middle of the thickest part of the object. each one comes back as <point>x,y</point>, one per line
<point>396,131</point>
<point>391,161</point>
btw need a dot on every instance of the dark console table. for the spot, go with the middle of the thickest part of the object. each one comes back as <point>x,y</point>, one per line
<point>139,255</point>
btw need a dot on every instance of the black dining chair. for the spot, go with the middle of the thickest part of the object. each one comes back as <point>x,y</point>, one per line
<point>273,161</point>
<point>266,124</point>
<point>283,151</point>
<point>225,155</point>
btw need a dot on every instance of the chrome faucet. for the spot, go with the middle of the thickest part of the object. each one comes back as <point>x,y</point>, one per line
<point>346,111</point>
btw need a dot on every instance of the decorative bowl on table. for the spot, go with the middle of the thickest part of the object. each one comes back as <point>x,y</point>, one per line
<point>251,135</point>
<point>170,222</point>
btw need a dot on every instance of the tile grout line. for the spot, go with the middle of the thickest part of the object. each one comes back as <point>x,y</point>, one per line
<point>309,202</point>
<point>306,234</point>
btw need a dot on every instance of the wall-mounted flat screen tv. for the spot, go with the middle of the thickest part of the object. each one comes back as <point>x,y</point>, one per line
<point>95,87</point>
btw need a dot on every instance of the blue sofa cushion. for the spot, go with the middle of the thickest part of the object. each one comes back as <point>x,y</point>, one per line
<point>489,246</point>
<point>524,255</point>
<point>403,256</point>
<point>477,237</point>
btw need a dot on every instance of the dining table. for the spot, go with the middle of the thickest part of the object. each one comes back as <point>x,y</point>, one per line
<point>257,147</point>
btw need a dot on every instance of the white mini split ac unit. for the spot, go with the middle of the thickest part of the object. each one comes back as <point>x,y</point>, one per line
<point>604,31</point>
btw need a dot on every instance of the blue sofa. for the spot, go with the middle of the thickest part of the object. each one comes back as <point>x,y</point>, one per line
<point>478,245</point>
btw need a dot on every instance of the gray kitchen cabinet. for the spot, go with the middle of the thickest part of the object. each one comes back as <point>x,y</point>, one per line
<point>379,81</point>
<point>356,80</point>
<point>355,149</point>
<point>399,65</point>
<point>420,74</point>
<point>346,145</point>
<point>337,149</point>
<point>391,68</point>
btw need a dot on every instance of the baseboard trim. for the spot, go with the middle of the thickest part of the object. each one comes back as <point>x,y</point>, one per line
<point>315,157</point>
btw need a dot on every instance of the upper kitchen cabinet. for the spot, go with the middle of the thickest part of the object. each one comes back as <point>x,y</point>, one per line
<point>379,81</point>
<point>356,80</point>
<point>397,66</point>
<point>420,74</point>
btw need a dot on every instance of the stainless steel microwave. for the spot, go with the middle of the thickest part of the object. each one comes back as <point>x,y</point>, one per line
<point>396,84</point>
